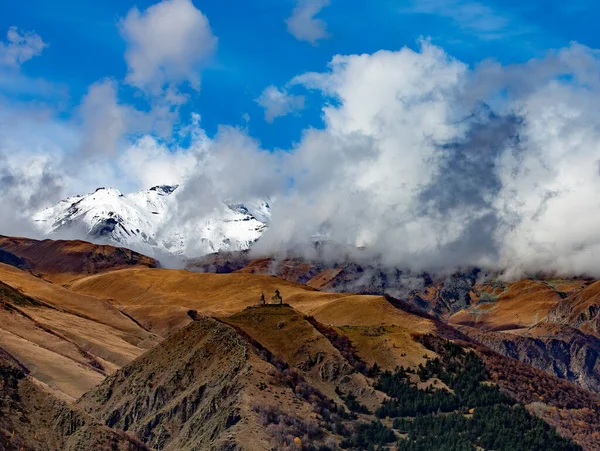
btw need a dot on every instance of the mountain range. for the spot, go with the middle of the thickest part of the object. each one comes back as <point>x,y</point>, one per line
<point>145,221</point>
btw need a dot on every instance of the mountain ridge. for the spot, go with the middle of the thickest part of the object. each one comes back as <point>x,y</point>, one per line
<point>149,221</point>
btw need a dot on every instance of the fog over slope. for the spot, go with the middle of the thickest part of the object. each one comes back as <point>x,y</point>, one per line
<point>422,162</point>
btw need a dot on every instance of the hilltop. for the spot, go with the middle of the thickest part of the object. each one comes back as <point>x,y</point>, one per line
<point>61,261</point>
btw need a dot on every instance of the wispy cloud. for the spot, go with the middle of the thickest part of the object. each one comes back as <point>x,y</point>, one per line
<point>277,102</point>
<point>474,17</point>
<point>304,25</point>
<point>20,47</point>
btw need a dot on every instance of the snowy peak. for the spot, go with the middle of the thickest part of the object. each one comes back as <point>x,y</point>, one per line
<point>146,221</point>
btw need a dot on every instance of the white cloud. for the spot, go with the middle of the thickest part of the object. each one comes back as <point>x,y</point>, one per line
<point>277,102</point>
<point>166,43</point>
<point>24,189</point>
<point>303,24</point>
<point>31,176</point>
<point>357,179</point>
<point>20,47</point>
<point>148,163</point>
<point>105,121</point>
<point>232,167</point>
<point>434,166</point>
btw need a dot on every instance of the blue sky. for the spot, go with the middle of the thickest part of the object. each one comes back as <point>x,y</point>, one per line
<point>256,50</point>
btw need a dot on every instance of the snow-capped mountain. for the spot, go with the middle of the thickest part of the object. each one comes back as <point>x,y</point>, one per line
<point>146,221</point>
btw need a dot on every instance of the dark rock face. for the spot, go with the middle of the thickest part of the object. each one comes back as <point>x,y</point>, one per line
<point>580,310</point>
<point>104,228</point>
<point>568,354</point>
<point>439,296</point>
<point>447,296</point>
<point>164,189</point>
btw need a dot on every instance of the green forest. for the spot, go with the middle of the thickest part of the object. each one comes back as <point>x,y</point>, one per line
<point>470,413</point>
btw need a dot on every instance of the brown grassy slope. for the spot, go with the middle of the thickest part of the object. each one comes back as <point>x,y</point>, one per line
<point>524,304</point>
<point>313,274</point>
<point>196,390</point>
<point>291,338</point>
<point>290,269</point>
<point>95,308</point>
<point>68,352</point>
<point>61,261</point>
<point>159,298</point>
<point>32,419</point>
<point>324,278</point>
<point>53,361</point>
<point>388,346</point>
<point>219,263</point>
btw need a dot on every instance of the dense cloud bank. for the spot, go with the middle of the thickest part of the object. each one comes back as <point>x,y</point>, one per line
<point>431,165</point>
<point>422,162</point>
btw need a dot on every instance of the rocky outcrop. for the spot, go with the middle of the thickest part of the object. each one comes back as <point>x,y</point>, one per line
<point>580,310</point>
<point>33,419</point>
<point>564,352</point>
<point>184,394</point>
